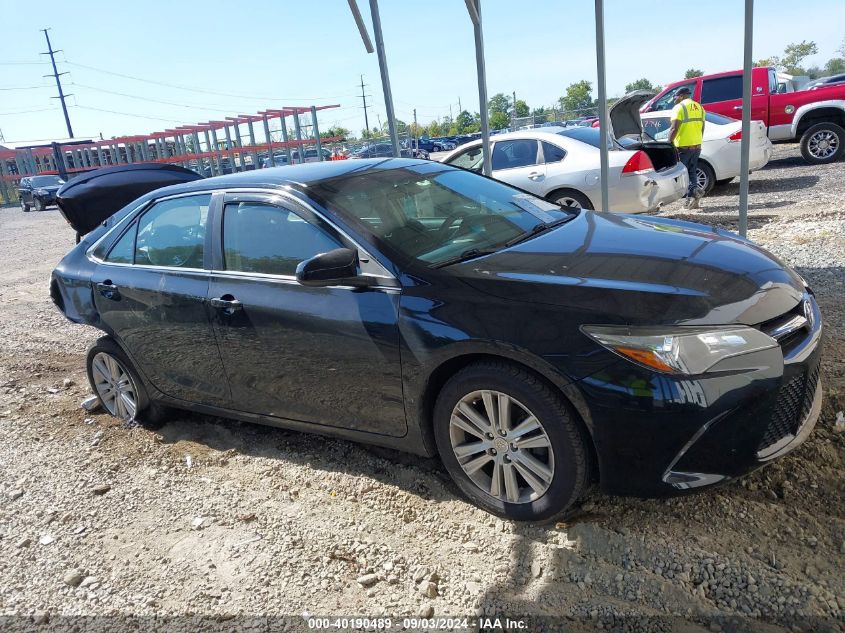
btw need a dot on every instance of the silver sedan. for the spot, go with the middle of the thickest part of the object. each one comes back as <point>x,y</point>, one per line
<point>562,165</point>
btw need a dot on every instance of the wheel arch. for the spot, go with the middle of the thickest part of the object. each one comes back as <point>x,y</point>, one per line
<point>832,113</point>
<point>557,191</point>
<point>440,374</point>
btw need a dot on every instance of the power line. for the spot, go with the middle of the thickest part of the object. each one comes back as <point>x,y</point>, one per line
<point>24,87</point>
<point>26,111</point>
<point>150,99</point>
<point>203,91</point>
<point>139,116</point>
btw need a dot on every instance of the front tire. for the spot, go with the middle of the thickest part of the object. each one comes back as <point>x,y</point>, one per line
<point>39,204</point>
<point>570,198</point>
<point>116,383</point>
<point>823,143</point>
<point>510,442</point>
<point>24,206</point>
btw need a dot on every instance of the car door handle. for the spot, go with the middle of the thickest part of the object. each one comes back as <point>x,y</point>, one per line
<point>227,303</point>
<point>108,290</point>
<point>739,107</point>
<point>536,175</point>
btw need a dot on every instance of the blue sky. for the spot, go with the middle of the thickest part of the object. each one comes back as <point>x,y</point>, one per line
<point>243,57</point>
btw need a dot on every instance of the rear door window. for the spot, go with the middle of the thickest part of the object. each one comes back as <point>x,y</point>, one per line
<point>172,233</point>
<point>721,89</point>
<point>514,153</point>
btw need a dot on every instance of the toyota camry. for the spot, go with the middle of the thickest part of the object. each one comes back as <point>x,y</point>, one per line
<point>535,348</point>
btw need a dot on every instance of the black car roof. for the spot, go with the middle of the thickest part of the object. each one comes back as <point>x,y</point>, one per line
<point>298,175</point>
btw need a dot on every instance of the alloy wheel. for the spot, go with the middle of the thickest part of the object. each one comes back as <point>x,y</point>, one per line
<point>701,179</point>
<point>114,386</point>
<point>567,201</point>
<point>502,447</point>
<point>823,144</point>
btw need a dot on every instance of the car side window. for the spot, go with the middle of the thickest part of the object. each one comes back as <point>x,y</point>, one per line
<point>667,101</point>
<point>514,153</point>
<point>172,233</point>
<point>553,153</point>
<point>721,89</point>
<point>264,238</point>
<point>123,252</point>
<point>471,158</point>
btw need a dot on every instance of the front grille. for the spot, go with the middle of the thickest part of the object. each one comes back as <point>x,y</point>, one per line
<point>786,416</point>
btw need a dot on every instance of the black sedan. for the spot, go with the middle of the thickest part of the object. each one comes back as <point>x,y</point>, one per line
<point>38,191</point>
<point>414,305</point>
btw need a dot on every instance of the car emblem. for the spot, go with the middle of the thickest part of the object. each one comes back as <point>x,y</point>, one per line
<point>808,314</point>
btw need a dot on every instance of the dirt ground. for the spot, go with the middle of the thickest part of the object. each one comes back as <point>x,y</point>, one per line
<point>213,517</point>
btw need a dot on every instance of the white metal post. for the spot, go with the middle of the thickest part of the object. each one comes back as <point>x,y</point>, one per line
<point>602,112</point>
<point>385,77</point>
<point>745,145</point>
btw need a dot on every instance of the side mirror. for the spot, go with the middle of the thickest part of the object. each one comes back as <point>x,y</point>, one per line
<point>329,269</point>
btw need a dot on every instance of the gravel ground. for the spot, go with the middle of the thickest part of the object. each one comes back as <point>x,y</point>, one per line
<point>207,516</point>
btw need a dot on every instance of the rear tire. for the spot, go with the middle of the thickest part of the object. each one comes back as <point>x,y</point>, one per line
<point>24,206</point>
<point>706,178</point>
<point>570,198</point>
<point>823,143</point>
<point>497,478</point>
<point>116,383</point>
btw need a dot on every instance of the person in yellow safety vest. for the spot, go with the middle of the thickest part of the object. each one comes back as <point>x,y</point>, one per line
<point>686,134</point>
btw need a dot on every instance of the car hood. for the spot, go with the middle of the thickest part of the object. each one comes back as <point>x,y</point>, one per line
<point>625,113</point>
<point>640,270</point>
<point>49,188</point>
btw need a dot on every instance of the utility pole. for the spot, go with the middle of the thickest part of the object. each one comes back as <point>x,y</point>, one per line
<point>513,123</point>
<point>460,109</point>
<point>364,97</point>
<point>416,131</point>
<point>57,74</point>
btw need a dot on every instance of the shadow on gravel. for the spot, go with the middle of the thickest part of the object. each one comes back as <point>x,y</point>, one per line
<point>411,473</point>
<point>778,185</point>
<point>729,221</point>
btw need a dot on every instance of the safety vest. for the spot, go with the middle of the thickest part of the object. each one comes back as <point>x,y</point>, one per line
<point>690,116</point>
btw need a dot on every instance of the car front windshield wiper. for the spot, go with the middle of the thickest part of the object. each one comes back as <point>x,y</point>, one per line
<point>542,227</point>
<point>471,253</point>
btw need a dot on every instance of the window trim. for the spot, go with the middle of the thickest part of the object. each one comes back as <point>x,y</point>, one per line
<point>391,281</point>
<point>219,256</point>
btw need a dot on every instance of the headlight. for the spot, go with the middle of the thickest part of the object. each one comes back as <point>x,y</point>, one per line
<point>680,350</point>
<point>41,192</point>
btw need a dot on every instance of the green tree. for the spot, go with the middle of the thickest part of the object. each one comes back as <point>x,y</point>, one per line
<point>794,54</point>
<point>499,103</point>
<point>641,84</point>
<point>499,120</point>
<point>766,62</point>
<point>692,73</point>
<point>834,66</point>
<point>434,128</point>
<point>336,130</point>
<point>578,100</point>
<point>521,108</point>
<point>465,123</point>
<point>541,114</point>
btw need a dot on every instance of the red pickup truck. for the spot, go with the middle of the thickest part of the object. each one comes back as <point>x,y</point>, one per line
<point>815,117</point>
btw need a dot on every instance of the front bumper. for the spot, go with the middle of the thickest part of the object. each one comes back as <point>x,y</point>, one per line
<point>657,434</point>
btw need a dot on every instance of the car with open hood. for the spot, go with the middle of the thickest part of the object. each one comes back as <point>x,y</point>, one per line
<point>406,303</point>
<point>563,164</point>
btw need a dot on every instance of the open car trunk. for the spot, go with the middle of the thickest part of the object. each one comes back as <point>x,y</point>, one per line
<point>92,197</point>
<point>626,127</point>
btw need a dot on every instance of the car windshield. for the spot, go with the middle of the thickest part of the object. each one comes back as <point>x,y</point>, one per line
<point>435,215</point>
<point>46,181</point>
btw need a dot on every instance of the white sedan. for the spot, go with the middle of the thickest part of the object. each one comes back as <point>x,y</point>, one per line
<point>719,162</point>
<point>563,164</point>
